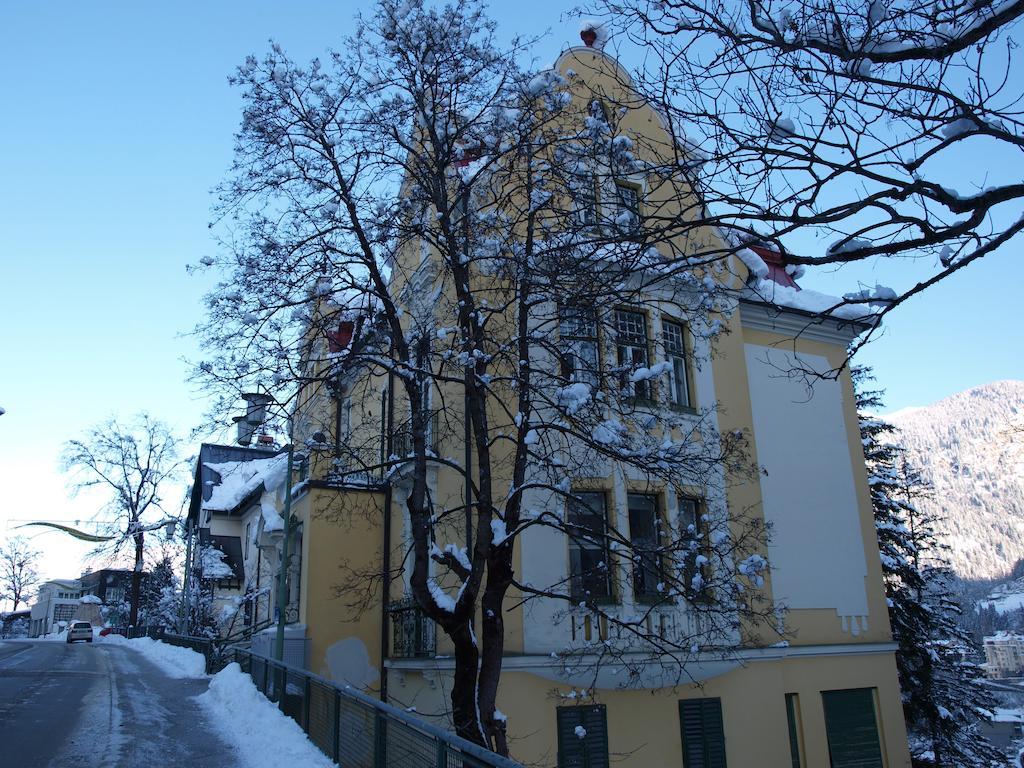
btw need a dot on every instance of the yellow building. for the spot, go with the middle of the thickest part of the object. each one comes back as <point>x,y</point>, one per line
<point>818,687</point>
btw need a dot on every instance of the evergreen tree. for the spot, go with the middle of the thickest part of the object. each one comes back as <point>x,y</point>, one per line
<point>159,600</point>
<point>943,700</point>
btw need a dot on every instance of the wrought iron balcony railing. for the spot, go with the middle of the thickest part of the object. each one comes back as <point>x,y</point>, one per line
<point>413,635</point>
<point>401,444</point>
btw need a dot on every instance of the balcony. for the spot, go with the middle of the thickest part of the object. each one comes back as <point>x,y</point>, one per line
<point>413,635</point>
<point>401,444</point>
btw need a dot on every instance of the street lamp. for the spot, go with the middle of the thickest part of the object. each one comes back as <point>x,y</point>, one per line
<point>255,416</point>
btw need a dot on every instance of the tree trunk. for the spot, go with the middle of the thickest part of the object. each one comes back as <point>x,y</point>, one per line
<point>498,580</point>
<point>133,615</point>
<point>465,702</point>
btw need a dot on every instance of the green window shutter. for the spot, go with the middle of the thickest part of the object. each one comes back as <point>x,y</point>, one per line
<point>852,729</point>
<point>700,721</point>
<point>794,736</point>
<point>589,750</point>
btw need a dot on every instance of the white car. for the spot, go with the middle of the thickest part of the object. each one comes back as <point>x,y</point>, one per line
<point>80,630</point>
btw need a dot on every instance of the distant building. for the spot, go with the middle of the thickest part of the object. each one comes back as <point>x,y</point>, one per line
<point>1004,655</point>
<point>55,606</point>
<point>1005,728</point>
<point>235,529</point>
<point>111,586</point>
<point>60,601</point>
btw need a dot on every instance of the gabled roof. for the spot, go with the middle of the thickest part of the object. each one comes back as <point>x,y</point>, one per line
<point>206,477</point>
<point>66,583</point>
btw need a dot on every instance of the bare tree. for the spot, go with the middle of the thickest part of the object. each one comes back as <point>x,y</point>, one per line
<point>134,462</point>
<point>424,193</point>
<point>18,576</point>
<point>891,128</point>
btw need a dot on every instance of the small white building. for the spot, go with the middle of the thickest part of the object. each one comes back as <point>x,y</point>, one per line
<point>55,606</point>
<point>1004,655</point>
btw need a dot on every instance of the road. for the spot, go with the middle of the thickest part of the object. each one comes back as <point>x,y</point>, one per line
<point>94,705</point>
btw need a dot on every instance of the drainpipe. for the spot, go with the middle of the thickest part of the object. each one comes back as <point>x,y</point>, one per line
<point>282,576</point>
<point>468,462</point>
<point>386,552</point>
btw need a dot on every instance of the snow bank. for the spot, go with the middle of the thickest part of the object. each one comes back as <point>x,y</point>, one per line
<point>55,637</point>
<point>264,737</point>
<point>172,660</point>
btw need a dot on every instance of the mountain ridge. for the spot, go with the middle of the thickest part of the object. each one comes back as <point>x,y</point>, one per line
<point>970,447</point>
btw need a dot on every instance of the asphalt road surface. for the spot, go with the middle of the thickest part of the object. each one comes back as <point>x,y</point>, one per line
<point>93,705</point>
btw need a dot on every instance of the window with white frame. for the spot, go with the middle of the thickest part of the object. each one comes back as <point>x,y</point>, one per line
<point>627,207</point>
<point>587,526</point>
<point>645,541</point>
<point>680,392</point>
<point>631,351</point>
<point>585,197</point>
<point>691,523</point>
<point>577,331</point>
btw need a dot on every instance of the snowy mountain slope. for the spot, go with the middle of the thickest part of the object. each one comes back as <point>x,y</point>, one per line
<point>970,446</point>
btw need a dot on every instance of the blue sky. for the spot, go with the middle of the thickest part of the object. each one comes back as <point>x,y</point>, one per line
<point>118,121</point>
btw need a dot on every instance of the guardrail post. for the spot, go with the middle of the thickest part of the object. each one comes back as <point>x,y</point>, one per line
<point>380,741</point>
<point>305,705</point>
<point>337,726</point>
<point>281,686</point>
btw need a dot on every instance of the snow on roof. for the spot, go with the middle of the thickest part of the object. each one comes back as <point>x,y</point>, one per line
<point>240,479</point>
<point>1003,715</point>
<point>1003,602</point>
<point>90,599</point>
<point>72,583</point>
<point>804,300</point>
<point>1003,635</point>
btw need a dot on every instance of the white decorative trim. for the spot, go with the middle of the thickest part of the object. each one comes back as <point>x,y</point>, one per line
<point>794,324</point>
<point>704,666</point>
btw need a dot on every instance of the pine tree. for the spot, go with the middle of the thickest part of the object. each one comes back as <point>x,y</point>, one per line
<point>159,599</point>
<point>943,701</point>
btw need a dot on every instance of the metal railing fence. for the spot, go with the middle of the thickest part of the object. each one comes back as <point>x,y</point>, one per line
<point>356,730</point>
<point>155,633</point>
<point>413,633</point>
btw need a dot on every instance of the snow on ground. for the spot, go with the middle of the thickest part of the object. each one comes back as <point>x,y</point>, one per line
<point>56,637</point>
<point>245,719</point>
<point>265,737</point>
<point>1003,602</point>
<point>174,661</point>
